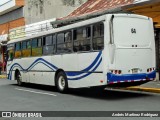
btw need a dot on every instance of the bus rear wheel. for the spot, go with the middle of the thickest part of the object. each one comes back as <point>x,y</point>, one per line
<point>19,78</point>
<point>61,82</point>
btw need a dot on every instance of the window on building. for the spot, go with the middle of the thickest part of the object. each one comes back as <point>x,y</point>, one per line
<point>82,38</point>
<point>98,36</point>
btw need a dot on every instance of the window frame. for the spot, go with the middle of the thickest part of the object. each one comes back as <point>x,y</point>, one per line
<point>101,35</point>
<point>19,50</point>
<point>37,46</point>
<point>85,38</point>
<point>64,43</point>
<point>45,45</point>
<point>88,40</point>
<point>27,48</point>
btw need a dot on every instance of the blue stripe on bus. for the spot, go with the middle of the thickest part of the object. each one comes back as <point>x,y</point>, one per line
<point>54,68</point>
<point>86,69</point>
<point>46,63</point>
<point>12,67</point>
<point>40,59</point>
<point>115,78</point>
<point>77,78</point>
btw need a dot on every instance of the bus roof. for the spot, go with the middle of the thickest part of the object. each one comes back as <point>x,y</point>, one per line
<point>56,30</point>
<point>74,25</point>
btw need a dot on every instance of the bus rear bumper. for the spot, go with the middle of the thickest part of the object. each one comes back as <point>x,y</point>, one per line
<point>124,78</point>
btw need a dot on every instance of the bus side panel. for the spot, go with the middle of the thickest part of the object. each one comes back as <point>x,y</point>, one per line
<point>41,71</point>
<point>90,71</point>
<point>70,62</point>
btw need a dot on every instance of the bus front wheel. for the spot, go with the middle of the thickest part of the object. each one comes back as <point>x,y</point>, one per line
<point>61,82</point>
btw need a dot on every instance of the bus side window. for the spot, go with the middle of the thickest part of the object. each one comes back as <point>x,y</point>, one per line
<point>60,43</point>
<point>48,45</point>
<point>17,50</point>
<point>37,46</point>
<point>10,52</point>
<point>64,42</point>
<point>81,37</point>
<point>98,36</point>
<point>68,41</point>
<point>29,44</point>
<point>54,43</point>
<point>26,49</point>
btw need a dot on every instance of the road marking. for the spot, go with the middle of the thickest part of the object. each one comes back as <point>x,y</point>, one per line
<point>35,92</point>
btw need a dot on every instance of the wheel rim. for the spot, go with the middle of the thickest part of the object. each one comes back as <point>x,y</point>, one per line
<point>61,82</point>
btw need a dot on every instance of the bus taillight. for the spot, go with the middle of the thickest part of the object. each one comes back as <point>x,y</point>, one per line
<point>150,69</point>
<point>116,71</point>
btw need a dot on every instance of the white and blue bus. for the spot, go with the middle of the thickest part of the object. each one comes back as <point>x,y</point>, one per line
<point>109,50</point>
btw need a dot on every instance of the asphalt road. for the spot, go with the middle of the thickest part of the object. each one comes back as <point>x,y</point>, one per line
<point>32,97</point>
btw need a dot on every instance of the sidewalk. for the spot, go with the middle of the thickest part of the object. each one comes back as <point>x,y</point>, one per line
<point>152,86</point>
<point>3,75</point>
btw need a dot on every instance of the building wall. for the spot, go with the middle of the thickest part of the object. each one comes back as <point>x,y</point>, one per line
<point>13,15</point>
<point>40,10</point>
<point>4,28</point>
<point>20,2</point>
<point>10,5</point>
<point>4,31</point>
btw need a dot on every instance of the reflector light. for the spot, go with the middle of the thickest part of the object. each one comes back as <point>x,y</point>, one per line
<point>150,69</point>
<point>116,71</point>
<point>119,72</point>
<point>101,81</point>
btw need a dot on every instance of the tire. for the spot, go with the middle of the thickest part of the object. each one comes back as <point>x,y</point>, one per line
<point>61,82</point>
<point>19,78</point>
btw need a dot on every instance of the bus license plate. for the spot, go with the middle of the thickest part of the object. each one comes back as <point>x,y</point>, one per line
<point>134,71</point>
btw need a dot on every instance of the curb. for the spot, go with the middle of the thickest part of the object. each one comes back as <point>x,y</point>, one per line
<point>143,89</point>
<point>3,76</point>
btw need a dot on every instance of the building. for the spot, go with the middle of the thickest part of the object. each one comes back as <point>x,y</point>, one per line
<point>16,15</point>
<point>11,16</point>
<point>40,10</point>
